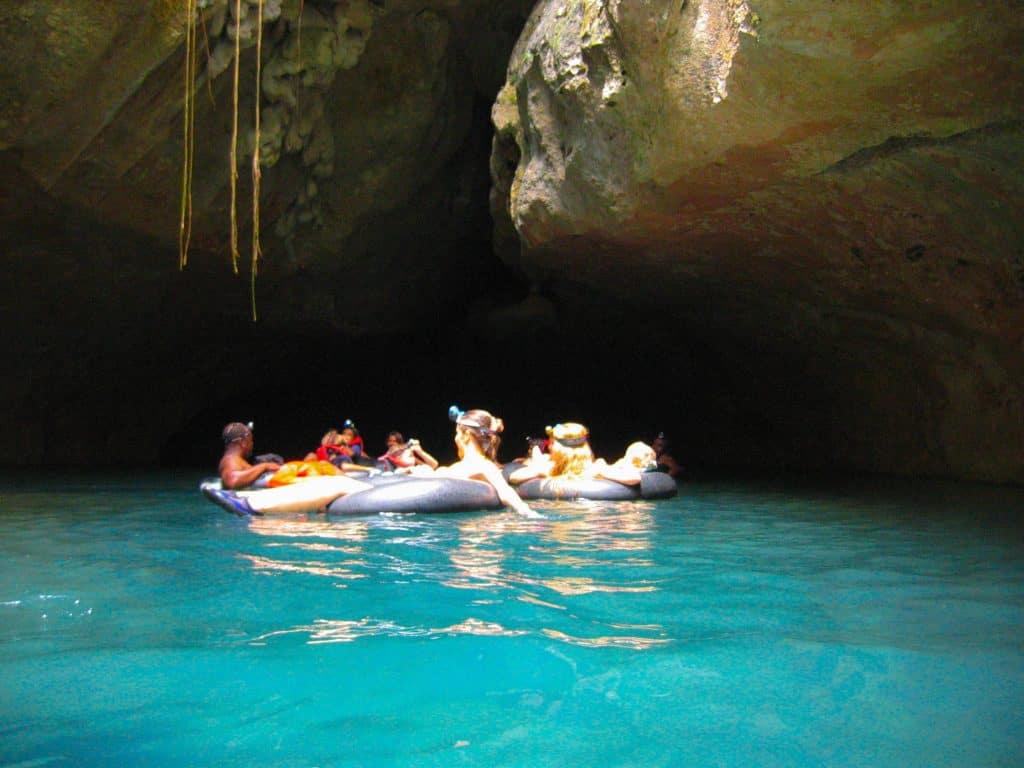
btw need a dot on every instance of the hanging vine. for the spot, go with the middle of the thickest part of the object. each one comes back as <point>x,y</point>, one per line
<point>256,161</point>
<point>192,15</point>
<point>285,74</point>
<point>233,154</point>
<point>189,138</point>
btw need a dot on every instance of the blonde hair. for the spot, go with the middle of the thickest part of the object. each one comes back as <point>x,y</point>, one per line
<point>571,455</point>
<point>641,456</point>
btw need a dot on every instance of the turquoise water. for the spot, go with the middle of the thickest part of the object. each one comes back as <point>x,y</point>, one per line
<point>783,624</point>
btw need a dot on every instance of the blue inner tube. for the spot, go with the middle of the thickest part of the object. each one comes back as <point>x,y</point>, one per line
<point>401,493</point>
<point>653,485</point>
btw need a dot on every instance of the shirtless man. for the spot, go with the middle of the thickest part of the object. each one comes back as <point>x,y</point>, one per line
<point>234,468</point>
<point>666,463</point>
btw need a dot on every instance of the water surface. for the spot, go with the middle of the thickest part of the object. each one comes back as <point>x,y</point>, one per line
<point>843,623</point>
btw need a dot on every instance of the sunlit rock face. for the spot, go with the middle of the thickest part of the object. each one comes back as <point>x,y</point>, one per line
<point>823,199</point>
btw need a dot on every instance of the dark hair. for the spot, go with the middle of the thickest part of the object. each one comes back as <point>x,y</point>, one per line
<point>485,429</point>
<point>397,435</point>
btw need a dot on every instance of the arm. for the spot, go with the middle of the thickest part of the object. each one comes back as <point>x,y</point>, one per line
<point>481,469</point>
<point>672,466</point>
<point>539,465</point>
<point>425,457</point>
<point>235,472</point>
<point>506,494</point>
<point>620,473</point>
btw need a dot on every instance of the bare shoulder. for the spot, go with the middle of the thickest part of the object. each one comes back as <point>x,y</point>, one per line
<point>232,463</point>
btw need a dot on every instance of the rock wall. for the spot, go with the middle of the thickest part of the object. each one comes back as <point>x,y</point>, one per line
<point>787,231</point>
<point>823,197</point>
<point>374,145</point>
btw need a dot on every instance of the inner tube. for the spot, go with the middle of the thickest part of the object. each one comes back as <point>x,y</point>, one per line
<point>214,483</point>
<point>418,494</point>
<point>653,485</point>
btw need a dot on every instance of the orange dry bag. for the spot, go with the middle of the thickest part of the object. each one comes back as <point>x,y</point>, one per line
<point>294,471</point>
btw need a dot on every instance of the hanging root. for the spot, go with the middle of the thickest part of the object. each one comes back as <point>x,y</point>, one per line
<point>191,48</point>
<point>234,140</point>
<point>298,50</point>
<point>206,45</point>
<point>256,161</point>
<point>189,138</point>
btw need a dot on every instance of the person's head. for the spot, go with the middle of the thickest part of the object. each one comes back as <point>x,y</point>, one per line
<point>395,440</point>
<point>349,426</point>
<point>537,442</point>
<point>238,436</point>
<point>569,448</point>
<point>660,444</point>
<point>330,437</point>
<point>641,456</point>
<point>348,434</point>
<point>477,427</point>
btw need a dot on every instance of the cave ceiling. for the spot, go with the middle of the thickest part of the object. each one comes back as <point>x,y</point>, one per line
<point>817,204</point>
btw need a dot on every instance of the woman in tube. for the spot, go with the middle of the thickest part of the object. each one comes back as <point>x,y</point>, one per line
<point>403,455</point>
<point>477,437</point>
<point>570,457</point>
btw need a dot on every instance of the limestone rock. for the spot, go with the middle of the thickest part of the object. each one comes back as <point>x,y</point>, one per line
<point>833,186</point>
<point>373,203</point>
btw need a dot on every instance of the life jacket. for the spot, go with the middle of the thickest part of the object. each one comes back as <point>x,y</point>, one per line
<point>336,454</point>
<point>396,458</point>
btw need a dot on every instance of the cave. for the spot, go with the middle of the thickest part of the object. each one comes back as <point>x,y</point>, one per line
<point>788,238</point>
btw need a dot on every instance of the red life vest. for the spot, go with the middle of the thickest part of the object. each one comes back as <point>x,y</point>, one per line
<point>331,452</point>
<point>397,460</point>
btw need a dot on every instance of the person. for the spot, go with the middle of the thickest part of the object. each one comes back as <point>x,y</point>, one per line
<point>535,446</point>
<point>401,454</point>
<point>309,495</point>
<point>666,463</point>
<point>234,468</point>
<point>570,457</point>
<point>335,448</point>
<point>329,448</point>
<point>638,458</point>
<point>355,441</point>
<point>477,437</point>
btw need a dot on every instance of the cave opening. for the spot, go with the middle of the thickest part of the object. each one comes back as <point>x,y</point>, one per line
<point>812,300</point>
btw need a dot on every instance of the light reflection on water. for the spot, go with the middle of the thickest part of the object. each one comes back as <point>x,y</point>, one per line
<point>480,554</point>
<point>840,625</point>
